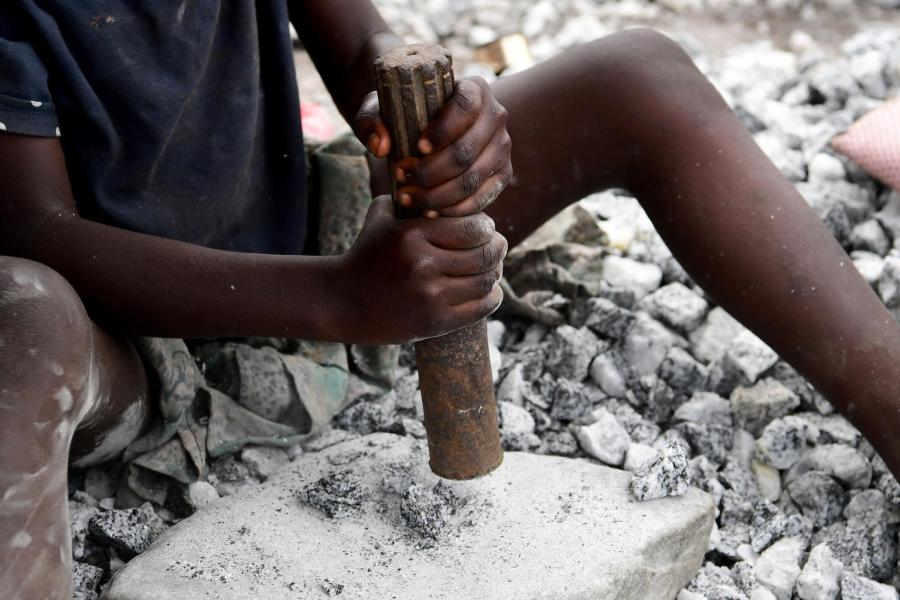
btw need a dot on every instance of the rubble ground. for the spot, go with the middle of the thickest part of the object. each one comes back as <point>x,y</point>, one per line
<point>646,373</point>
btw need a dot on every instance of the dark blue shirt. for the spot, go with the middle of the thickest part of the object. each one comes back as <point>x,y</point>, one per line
<point>178,118</point>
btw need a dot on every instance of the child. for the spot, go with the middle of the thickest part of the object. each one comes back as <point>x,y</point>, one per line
<point>152,184</point>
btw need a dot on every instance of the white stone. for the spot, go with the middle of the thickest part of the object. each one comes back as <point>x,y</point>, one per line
<point>605,372</point>
<point>845,463</point>
<point>889,282</point>
<point>665,474</point>
<point>713,338</point>
<point>704,407</point>
<point>870,236</point>
<point>821,576</point>
<point>768,479</point>
<point>826,167</point>
<point>496,358</point>
<point>782,442</point>
<point>751,355</point>
<point>676,306</point>
<point>641,278</point>
<point>762,593</point>
<point>201,494</point>
<point>779,566</point>
<point>527,518</point>
<point>515,419</point>
<point>646,345</point>
<point>869,265</point>
<point>605,439</point>
<point>510,389</point>
<point>637,455</point>
<point>756,406</point>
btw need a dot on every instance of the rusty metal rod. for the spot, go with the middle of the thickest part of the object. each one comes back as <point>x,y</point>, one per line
<point>454,370</point>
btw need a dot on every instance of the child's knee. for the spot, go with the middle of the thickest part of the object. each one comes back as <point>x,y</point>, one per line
<point>45,345</point>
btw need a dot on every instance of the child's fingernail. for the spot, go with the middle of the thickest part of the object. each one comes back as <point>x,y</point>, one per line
<point>431,214</point>
<point>425,146</point>
<point>373,143</point>
<point>400,175</point>
<point>405,199</point>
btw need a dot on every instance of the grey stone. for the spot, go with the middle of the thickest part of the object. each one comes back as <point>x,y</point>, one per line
<point>605,439</point>
<point>682,373</point>
<point>740,479</point>
<point>570,401</point>
<point>854,587</point>
<point>714,583</point>
<point>820,498</point>
<point>676,306</point>
<point>200,494</point>
<point>778,568</point>
<point>263,543</point>
<point>561,443</point>
<point>756,406</point>
<point>263,461</point>
<point>338,495</point>
<point>603,317</point>
<point>129,531</point>
<point>571,351</point>
<point>665,474</point>
<point>712,339</point>
<point>769,524</point>
<point>656,400</point>
<point>730,539</point>
<point>705,475</point>
<point>889,215</point>
<point>832,429</point>
<point>820,578</point>
<point>865,548</point>
<point>873,506</point>
<point>85,581</point>
<point>640,430</point>
<point>782,442</point>
<point>637,277</point>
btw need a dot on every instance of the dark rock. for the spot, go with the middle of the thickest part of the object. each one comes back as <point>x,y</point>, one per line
<point>129,531</point>
<point>338,495</point>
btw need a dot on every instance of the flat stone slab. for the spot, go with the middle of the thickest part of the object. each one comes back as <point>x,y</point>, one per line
<point>540,527</point>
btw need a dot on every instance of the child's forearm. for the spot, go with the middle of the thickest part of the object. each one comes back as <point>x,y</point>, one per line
<point>148,285</point>
<point>343,38</point>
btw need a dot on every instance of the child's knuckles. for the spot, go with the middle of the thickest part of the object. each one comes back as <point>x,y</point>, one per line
<point>464,154</point>
<point>468,183</point>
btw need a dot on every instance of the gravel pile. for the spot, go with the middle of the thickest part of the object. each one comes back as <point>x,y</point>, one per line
<point>645,373</point>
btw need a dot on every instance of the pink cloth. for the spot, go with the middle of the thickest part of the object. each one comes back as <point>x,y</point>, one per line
<point>873,142</point>
<point>316,123</point>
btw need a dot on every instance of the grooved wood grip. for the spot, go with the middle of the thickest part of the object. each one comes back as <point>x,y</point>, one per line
<point>454,370</point>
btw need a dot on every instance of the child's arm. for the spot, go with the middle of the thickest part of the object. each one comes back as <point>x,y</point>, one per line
<point>401,280</point>
<point>343,38</point>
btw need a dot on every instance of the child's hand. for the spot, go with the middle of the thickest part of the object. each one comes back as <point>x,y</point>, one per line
<point>465,161</point>
<point>408,279</point>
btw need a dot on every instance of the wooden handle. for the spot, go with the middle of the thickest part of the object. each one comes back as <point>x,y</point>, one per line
<point>454,370</point>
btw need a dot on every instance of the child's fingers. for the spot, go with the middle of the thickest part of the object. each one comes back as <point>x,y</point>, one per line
<point>456,116</point>
<point>459,290</point>
<point>484,258</point>
<point>494,161</point>
<point>462,233</point>
<point>370,129</point>
<point>480,200</point>
<point>454,159</point>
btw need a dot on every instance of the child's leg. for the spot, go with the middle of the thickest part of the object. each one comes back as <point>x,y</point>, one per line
<point>632,110</point>
<point>57,369</point>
